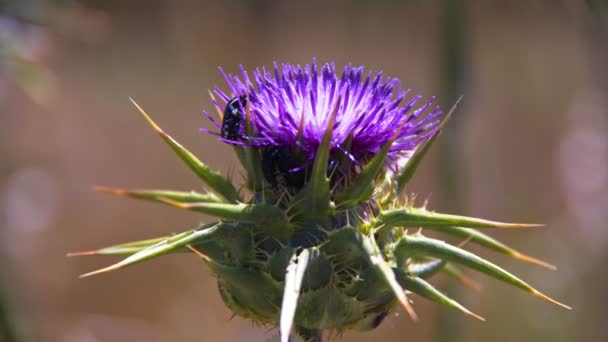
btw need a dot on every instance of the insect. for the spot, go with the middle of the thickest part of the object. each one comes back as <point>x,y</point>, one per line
<point>234,119</point>
<point>281,167</point>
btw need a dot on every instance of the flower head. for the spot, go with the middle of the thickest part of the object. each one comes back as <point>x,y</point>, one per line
<point>315,252</point>
<point>293,106</point>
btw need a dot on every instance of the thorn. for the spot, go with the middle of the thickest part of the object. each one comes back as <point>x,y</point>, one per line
<point>111,191</point>
<point>217,109</point>
<point>527,258</point>
<point>448,115</point>
<point>99,271</point>
<point>521,225</point>
<point>397,133</point>
<point>177,204</point>
<point>148,118</point>
<point>468,282</point>
<point>197,252</point>
<point>397,290</point>
<point>549,299</point>
<point>465,241</point>
<point>82,253</point>
<point>470,313</point>
<point>413,198</point>
<point>374,228</point>
<point>408,307</point>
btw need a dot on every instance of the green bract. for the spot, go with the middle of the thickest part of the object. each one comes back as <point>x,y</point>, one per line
<point>318,258</point>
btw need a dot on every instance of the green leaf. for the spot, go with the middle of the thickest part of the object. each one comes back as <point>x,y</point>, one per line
<point>382,267</point>
<point>271,219</point>
<point>412,164</point>
<point>214,179</point>
<point>293,284</point>
<point>254,170</point>
<point>314,201</point>
<point>420,246</point>
<point>362,187</point>
<point>157,249</point>
<point>250,289</point>
<point>122,249</point>
<point>137,246</point>
<point>420,217</point>
<point>255,180</point>
<point>426,269</point>
<point>490,243</point>
<point>161,195</point>
<point>344,246</point>
<point>419,286</point>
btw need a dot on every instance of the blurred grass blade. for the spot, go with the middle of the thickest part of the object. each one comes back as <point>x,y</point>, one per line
<point>419,286</point>
<point>420,217</point>
<point>214,179</point>
<point>158,195</point>
<point>423,246</point>
<point>490,243</point>
<point>293,284</point>
<point>160,248</point>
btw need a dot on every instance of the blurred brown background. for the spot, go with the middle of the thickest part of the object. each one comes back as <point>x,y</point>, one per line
<point>528,143</point>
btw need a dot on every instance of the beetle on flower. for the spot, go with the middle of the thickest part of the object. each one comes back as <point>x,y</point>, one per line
<point>318,240</point>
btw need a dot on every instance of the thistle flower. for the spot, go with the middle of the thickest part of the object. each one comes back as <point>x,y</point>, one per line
<point>293,108</point>
<point>318,240</point>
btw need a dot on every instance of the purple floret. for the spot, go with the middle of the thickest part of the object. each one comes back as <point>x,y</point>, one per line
<point>370,109</point>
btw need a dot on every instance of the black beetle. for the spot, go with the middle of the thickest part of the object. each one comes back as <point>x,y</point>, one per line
<point>278,164</point>
<point>234,119</point>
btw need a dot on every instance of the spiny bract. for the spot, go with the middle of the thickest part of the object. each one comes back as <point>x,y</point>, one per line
<point>319,239</point>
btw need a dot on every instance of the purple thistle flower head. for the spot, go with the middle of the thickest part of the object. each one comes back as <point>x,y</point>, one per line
<point>319,242</point>
<point>291,107</point>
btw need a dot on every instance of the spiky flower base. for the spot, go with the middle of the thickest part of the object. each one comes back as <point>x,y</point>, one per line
<point>329,255</point>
